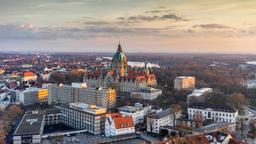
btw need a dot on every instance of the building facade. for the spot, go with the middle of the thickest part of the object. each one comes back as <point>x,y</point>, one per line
<point>30,95</point>
<point>217,113</point>
<point>162,118</point>
<point>119,75</point>
<point>146,93</point>
<point>184,82</point>
<point>82,116</point>
<point>64,94</point>
<point>30,129</point>
<point>138,112</point>
<point>116,124</point>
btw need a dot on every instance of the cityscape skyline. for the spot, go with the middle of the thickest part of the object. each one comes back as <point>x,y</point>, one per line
<point>163,26</point>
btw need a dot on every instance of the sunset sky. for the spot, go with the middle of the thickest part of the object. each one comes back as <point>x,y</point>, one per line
<point>169,26</point>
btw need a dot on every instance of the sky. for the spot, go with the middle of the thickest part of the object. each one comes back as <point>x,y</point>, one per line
<point>157,26</point>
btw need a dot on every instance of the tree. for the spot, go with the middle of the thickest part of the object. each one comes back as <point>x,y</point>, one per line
<point>175,110</point>
<point>237,100</point>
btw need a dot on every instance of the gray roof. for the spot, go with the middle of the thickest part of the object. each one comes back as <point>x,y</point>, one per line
<point>161,114</point>
<point>52,111</point>
<point>31,124</point>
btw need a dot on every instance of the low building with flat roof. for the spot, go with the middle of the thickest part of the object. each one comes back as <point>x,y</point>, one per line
<point>30,128</point>
<point>146,93</point>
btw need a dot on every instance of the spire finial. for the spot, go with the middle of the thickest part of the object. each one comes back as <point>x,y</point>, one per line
<point>119,49</point>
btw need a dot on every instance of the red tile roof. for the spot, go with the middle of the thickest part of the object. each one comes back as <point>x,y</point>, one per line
<point>25,74</point>
<point>122,121</point>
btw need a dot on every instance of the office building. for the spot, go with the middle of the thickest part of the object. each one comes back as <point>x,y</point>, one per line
<point>84,117</point>
<point>30,129</point>
<point>64,94</point>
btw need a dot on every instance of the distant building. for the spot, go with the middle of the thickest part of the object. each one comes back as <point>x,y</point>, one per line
<point>138,112</point>
<point>146,93</point>
<point>76,92</point>
<point>84,117</point>
<point>184,82</point>
<point>29,76</point>
<point>162,118</point>
<point>250,84</point>
<point>217,113</point>
<point>116,124</point>
<point>30,129</point>
<point>198,93</point>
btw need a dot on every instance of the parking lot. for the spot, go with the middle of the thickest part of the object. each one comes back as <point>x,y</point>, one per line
<point>82,138</point>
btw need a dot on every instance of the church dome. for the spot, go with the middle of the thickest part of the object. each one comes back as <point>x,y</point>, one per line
<point>119,55</point>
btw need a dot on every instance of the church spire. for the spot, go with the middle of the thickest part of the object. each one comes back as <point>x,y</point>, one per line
<point>119,49</point>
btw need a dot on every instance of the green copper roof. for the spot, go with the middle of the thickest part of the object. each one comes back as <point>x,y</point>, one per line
<point>119,55</point>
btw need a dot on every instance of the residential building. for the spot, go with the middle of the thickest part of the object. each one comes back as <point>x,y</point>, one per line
<point>84,117</point>
<point>64,94</point>
<point>138,112</point>
<point>217,113</point>
<point>162,118</point>
<point>30,129</point>
<point>116,124</point>
<point>147,93</point>
<point>29,76</point>
<point>184,82</point>
<point>198,93</point>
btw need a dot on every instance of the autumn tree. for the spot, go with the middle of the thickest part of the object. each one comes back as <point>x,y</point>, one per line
<point>175,110</point>
<point>237,100</point>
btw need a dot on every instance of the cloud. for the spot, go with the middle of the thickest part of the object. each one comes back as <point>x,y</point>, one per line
<point>30,32</point>
<point>212,26</point>
<point>147,18</point>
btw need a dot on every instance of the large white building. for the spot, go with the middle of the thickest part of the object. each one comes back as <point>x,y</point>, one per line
<point>137,112</point>
<point>162,118</point>
<point>105,97</point>
<point>146,93</point>
<point>217,113</point>
<point>84,117</point>
<point>116,124</point>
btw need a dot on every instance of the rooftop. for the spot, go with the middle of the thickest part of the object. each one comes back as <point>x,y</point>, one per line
<point>161,114</point>
<point>31,123</point>
<point>93,109</point>
<point>26,74</point>
<point>121,121</point>
<point>130,109</point>
<point>215,107</point>
<point>213,127</point>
